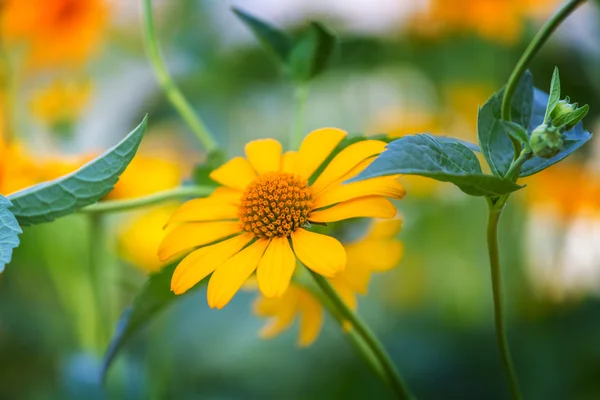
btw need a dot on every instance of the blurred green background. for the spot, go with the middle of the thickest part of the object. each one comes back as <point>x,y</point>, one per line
<point>400,67</point>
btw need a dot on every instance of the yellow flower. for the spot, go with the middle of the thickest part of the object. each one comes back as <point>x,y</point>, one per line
<point>140,237</point>
<point>301,303</point>
<point>60,102</point>
<point>265,203</point>
<point>54,31</point>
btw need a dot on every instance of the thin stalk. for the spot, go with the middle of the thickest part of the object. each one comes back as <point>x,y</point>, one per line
<point>390,374</point>
<point>166,82</point>
<point>97,250</point>
<point>155,198</point>
<point>492,240</point>
<point>300,96</point>
<point>534,46</point>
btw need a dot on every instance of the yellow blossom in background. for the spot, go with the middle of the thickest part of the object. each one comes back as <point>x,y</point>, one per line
<point>61,102</point>
<point>259,216</point>
<point>461,105</point>
<point>54,32</point>
<point>498,20</point>
<point>140,236</point>
<point>378,251</point>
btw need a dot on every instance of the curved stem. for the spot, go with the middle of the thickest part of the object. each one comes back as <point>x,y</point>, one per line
<point>166,82</point>
<point>300,96</point>
<point>534,46</point>
<point>155,198</point>
<point>492,240</point>
<point>388,369</point>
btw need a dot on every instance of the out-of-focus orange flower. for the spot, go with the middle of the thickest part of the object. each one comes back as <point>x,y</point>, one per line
<point>498,20</point>
<point>61,102</point>
<point>55,32</point>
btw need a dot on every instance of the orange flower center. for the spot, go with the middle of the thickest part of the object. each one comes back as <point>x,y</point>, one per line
<point>275,204</point>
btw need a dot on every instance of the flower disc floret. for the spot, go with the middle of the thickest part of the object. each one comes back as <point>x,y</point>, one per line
<point>275,204</point>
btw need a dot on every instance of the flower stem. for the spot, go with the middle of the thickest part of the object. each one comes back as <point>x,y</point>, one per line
<point>495,211</point>
<point>534,46</point>
<point>300,96</point>
<point>96,251</point>
<point>388,370</point>
<point>155,198</point>
<point>166,82</point>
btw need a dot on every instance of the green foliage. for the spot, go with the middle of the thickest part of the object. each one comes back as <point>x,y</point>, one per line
<point>9,232</point>
<point>554,94</point>
<point>311,53</point>
<point>49,200</point>
<point>569,119</point>
<point>271,38</point>
<point>153,298</point>
<point>444,161</point>
<point>516,131</point>
<point>302,58</point>
<point>493,138</point>
<point>202,171</point>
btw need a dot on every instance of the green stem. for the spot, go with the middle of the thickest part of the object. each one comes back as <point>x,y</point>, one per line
<point>495,211</point>
<point>155,198</point>
<point>96,251</point>
<point>300,96</point>
<point>171,90</point>
<point>388,369</point>
<point>515,167</point>
<point>534,46</point>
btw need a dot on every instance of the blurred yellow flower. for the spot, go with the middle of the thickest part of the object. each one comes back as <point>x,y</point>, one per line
<point>265,203</point>
<point>498,20</point>
<point>55,32</point>
<point>61,102</point>
<point>141,235</point>
<point>300,302</point>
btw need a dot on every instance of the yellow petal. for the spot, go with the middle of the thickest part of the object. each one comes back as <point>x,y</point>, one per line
<point>323,254</point>
<point>386,186</point>
<point>311,319</point>
<point>389,253</point>
<point>264,155</point>
<point>208,209</point>
<point>356,275</point>
<point>229,277</point>
<point>226,195</point>
<point>276,267</point>
<point>346,160</point>
<point>289,161</point>
<point>200,263</point>
<point>371,206</point>
<point>315,148</point>
<point>384,229</point>
<point>282,313</point>
<point>236,173</point>
<point>194,234</point>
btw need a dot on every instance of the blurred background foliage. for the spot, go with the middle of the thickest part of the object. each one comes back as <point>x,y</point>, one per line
<point>74,77</point>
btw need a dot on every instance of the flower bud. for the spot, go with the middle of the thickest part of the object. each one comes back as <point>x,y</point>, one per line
<point>563,107</point>
<point>546,141</point>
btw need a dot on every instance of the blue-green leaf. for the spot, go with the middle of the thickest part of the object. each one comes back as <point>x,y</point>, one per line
<point>448,139</point>
<point>311,52</point>
<point>151,300</point>
<point>554,94</point>
<point>493,139</point>
<point>50,200</point>
<point>424,155</point>
<point>516,131</point>
<point>574,139</point>
<point>9,232</point>
<point>271,38</point>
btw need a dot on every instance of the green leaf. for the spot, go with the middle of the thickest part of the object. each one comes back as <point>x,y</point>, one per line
<point>516,131</point>
<point>90,183</point>
<point>425,155</point>
<point>9,232</point>
<point>311,53</point>
<point>571,119</point>
<point>271,38</point>
<point>554,94</point>
<point>493,139</point>
<point>150,301</point>
<point>202,171</point>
